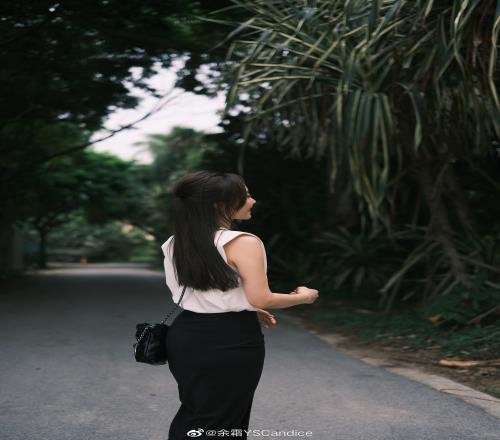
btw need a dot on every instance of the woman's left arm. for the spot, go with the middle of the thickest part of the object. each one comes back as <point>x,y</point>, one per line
<point>266,319</point>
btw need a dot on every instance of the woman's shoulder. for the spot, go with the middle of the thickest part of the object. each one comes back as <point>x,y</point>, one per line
<point>243,236</point>
<point>165,246</point>
<point>242,242</point>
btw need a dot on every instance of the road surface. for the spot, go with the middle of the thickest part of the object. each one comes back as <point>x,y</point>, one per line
<point>67,372</point>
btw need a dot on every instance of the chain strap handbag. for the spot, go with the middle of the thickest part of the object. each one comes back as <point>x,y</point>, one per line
<point>150,347</point>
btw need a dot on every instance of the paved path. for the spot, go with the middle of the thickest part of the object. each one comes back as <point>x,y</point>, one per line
<point>67,372</point>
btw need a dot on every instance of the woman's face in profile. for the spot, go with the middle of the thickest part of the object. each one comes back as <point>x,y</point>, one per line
<point>244,212</point>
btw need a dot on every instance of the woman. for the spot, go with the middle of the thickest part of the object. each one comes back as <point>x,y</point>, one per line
<point>215,345</point>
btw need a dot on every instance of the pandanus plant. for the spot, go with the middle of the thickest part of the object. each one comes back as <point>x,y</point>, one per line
<point>385,89</point>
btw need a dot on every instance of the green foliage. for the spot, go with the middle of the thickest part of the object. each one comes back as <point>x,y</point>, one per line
<point>113,188</point>
<point>67,61</point>
<point>99,185</point>
<point>390,95</point>
<point>462,304</point>
<point>111,241</point>
<point>357,260</point>
<point>66,66</point>
<point>175,154</point>
<point>410,328</point>
<point>377,87</point>
<point>287,271</point>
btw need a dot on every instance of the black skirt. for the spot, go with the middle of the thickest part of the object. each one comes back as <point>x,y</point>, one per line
<point>217,361</point>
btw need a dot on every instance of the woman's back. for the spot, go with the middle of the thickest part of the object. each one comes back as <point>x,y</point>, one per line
<point>214,300</point>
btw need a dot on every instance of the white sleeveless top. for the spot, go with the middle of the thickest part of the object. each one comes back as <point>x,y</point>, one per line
<point>209,301</point>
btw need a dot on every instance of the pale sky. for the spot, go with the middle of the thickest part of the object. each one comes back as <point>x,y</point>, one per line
<point>186,109</point>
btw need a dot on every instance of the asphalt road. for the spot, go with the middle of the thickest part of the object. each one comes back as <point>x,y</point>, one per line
<point>67,372</point>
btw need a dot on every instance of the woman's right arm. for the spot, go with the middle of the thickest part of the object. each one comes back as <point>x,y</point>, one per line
<point>247,255</point>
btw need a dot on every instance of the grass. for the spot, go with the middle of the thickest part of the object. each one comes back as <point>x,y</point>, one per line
<point>406,326</point>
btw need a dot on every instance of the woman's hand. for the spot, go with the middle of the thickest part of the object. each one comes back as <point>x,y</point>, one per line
<point>310,295</point>
<point>266,319</point>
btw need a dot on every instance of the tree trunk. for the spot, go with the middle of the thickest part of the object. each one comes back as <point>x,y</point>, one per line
<point>42,251</point>
<point>4,247</point>
<point>459,202</point>
<point>340,208</point>
<point>439,224</point>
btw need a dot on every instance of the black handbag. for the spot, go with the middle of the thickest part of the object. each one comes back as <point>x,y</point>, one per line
<point>150,347</point>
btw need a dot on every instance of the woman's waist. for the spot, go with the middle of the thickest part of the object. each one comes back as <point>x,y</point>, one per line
<point>241,320</point>
<point>223,315</point>
<point>214,301</point>
<point>226,326</point>
<point>211,307</point>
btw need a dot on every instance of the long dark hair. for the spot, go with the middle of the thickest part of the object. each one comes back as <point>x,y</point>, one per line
<point>200,201</point>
